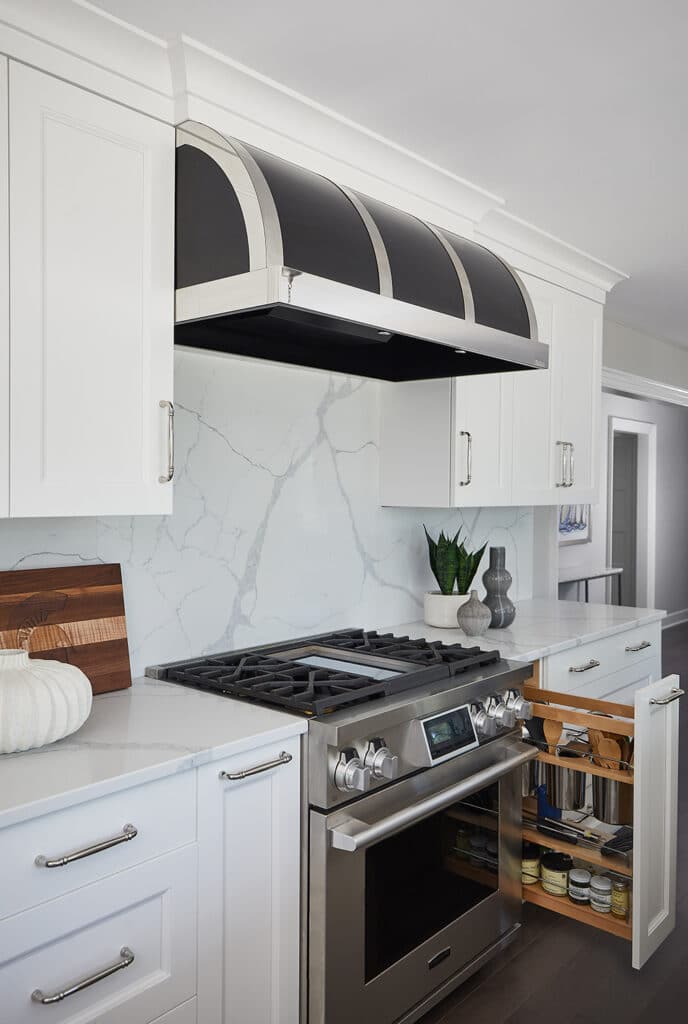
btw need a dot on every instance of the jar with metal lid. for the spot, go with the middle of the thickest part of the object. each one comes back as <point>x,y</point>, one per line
<point>554,872</point>
<point>530,863</point>
<point>620,898</point>
<point>601,894</point>
<point>579,886</point>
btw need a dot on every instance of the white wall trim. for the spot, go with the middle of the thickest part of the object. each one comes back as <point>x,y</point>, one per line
<point>642,387</point>
<point>675,618</point>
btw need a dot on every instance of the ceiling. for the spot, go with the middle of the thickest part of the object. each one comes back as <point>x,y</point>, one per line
<point>574,111</point>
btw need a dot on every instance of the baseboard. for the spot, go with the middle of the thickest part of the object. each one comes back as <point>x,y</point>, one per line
<point>675,618</point>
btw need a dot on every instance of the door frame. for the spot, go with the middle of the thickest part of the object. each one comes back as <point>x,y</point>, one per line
<point>646,526</point>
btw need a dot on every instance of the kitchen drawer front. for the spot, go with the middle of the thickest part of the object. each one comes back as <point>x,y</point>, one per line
<point>163,813</point>
<point>613,653</point>
<point>620,686</point>
<point>184,1014</point>
<point>149,910</point>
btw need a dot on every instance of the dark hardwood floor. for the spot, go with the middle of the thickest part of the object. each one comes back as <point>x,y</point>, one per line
<point>562,972</point>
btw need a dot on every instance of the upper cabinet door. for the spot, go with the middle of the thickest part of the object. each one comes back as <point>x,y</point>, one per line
<point>91,289</point>
<point>483,417</point>
<point>655,811</point>
<point>4,301</point>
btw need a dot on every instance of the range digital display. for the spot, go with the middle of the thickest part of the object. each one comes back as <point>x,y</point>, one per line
<point>449,733</point>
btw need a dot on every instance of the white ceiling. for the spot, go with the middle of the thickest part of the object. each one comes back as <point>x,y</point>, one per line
<point>575,111</point>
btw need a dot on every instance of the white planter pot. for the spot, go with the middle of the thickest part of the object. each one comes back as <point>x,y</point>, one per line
<point>440,609</point>
<point>40,701</point>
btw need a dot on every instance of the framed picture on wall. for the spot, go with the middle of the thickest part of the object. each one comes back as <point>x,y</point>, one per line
<point>574,524</point>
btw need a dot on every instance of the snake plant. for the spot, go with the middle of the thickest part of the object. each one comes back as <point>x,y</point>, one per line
<point>451,563</point>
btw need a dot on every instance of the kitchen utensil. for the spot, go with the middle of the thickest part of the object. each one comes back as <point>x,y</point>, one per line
<point>612,801</point>
<point>595,737</point>
<point>609,753</point>
<point>553,731</point>
<point>565,786</point>
<point>73,614</point>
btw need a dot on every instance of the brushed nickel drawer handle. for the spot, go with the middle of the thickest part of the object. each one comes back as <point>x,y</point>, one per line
<point>469,457</point>
<point>38,996</point>
<point>674,695</point>
<point>284,758</point>
<point>167,478</point>
<point>562,445</point>
<point>128,832</point>
<point>585,668</point>
<point>572,464</point>
<point>632,648</point>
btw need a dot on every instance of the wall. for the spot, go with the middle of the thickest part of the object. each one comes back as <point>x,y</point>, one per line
<point>276,531</point>
<point>639,353</point>
<point>672,488</point>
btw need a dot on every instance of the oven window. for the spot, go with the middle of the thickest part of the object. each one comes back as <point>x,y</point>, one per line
<point>424,878</point>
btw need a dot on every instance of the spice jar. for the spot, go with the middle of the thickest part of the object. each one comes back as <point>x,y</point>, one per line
<point>530,863</point>
<point>579,886</point>
<point>601,894</point>
<point>554,873</point>
<point>620,898</point>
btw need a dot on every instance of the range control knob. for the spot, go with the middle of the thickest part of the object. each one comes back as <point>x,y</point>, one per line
<point>521,707</point>
<point>381,761</point>
<point>350,773</point>
<point>497,710</point>
<point>485,726</point>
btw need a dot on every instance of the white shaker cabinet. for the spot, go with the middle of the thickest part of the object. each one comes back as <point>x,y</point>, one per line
<point>249,870</point>
<point>91,243</point>
<point>4,300</point>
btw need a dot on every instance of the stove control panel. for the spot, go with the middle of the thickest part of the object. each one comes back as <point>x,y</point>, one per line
<point>382,762</point>
<point>485,725</point>
<point>500,712</point>
<point>521,707</point>
<point>350,773</point>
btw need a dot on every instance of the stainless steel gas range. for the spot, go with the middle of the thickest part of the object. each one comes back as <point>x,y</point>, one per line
<point>411,810</point>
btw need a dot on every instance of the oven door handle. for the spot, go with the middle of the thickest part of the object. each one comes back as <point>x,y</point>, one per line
<point>353,834</point>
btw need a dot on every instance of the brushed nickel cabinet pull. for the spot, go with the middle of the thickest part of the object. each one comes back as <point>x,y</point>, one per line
<point>128,832</point>
<point>562,451</point>
<point>572,465</point>
<point>469,457</point>
<point>632,648</point>
<point>164,404</point>
<point>585,668</point>
<point>674,695</point>
<point>284,758</point>
<point>38,996</point>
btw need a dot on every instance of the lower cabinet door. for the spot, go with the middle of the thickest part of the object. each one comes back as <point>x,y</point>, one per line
<point>249,872</point>
<point>184,1014</point>
<point>119,951</point>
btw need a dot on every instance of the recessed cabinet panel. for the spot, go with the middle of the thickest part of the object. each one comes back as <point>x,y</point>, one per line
<point>91,195</point>
<point>4,301</point>
<point>482,440</point>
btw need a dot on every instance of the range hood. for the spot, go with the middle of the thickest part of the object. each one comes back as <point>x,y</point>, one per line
<point>276,262</point>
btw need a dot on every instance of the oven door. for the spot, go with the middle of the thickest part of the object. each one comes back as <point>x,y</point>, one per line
<point>412,883</point>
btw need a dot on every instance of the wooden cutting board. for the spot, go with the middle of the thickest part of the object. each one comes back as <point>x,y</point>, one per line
<point>73,614</point>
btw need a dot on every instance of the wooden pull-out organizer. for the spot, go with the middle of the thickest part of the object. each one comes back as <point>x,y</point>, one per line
<point>654,778</point>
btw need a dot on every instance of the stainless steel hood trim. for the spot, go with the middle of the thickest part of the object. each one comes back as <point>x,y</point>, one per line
<point>384,270</point>
<point>277,284</point>
<point>273,232</point>
<point>464,283</point>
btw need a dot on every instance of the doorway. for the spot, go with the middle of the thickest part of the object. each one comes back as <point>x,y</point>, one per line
<point>631,498</point>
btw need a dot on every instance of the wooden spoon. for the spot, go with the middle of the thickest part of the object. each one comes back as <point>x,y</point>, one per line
<point>610,754</point>
<point>553,731</point>
<point>595,737</point>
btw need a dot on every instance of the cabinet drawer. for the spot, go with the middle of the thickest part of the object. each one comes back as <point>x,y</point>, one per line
<point>574,669</point>
<point>184,1014</point>
<point>162,812</point>
<point>148,911</point>
<point>620,686</point>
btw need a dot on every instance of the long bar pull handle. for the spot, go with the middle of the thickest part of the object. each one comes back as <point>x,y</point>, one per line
<point>284,758</point>
<point>127,959</point>
<point>632,648</point>
<point>572,465</point>
<point>674,695</point>
<point>469,457</point>
<point>585,668</point>
<point>128,832</point>
<point>561,445</point>
<point>167,478</point>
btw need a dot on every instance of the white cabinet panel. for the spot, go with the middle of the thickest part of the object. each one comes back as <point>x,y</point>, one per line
<point>482,439</point>
<point>184,1014</point>
<point>655,816</point>
<point>416,443</point>
<point>4,301</point>
<point>91,243</point>
<point>249,837</point>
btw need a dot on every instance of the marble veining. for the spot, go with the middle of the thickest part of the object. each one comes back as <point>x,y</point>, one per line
<point>543,627</point>
<point>277,531</point>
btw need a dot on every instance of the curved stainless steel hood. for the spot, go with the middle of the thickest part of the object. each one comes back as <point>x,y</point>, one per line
<point>276,262</point>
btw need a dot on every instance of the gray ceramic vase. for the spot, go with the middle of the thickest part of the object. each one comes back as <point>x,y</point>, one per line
<point>497,580</point>
<point>473,617</point>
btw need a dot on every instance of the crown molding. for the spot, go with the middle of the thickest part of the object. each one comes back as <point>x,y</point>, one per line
<point>642,387</point>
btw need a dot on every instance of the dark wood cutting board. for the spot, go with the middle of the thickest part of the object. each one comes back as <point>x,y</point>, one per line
<point>73,614</point>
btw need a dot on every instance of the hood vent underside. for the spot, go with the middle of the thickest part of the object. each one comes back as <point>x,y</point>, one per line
<point>276,262</point>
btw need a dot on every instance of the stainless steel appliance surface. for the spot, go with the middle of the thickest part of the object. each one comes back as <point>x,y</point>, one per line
<point>412,773</point>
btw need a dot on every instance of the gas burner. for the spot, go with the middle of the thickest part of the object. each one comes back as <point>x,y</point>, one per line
<point>381,665</point>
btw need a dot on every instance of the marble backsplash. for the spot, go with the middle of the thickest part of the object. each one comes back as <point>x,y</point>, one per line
<point>277,530</point>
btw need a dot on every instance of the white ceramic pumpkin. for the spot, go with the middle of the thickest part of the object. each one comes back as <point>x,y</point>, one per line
<point>40,701</point>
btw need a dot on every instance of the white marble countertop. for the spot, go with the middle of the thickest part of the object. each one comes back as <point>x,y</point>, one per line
<point>542,627</point>
<point>146,732</point>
